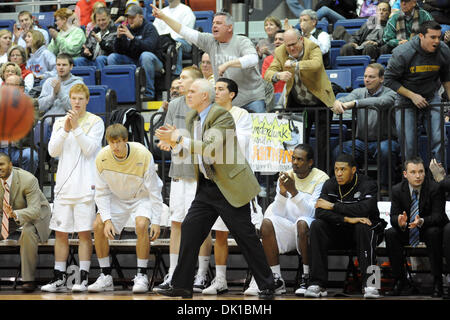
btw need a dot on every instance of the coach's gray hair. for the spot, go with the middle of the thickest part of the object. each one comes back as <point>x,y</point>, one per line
<point>229,18</point>
<point>311,13</point>
<point>206,86</point>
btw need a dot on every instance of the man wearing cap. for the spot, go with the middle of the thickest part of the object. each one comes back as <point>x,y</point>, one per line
<point>137,43</point>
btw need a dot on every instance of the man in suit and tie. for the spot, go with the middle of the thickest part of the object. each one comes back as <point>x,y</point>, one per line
<point>417,214</point>
<point>226,184</point>
<point>23,205</point>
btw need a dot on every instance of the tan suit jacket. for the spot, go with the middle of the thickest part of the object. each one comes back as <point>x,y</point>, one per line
<point>232,173</point>
<point>312,71</point>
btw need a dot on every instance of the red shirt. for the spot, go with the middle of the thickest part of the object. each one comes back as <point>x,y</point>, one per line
<point>24,70</point>
<point>84,10</point>
<point>277,86</point>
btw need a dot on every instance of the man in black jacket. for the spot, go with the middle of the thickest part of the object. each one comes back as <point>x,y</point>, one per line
<point>346,215</point>
<point>417,214</point>
<point>100,42</point>
<point>137,43</point>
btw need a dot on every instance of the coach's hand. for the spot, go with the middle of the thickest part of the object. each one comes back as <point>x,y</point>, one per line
<point>155,230</point>
<point>109,230</point>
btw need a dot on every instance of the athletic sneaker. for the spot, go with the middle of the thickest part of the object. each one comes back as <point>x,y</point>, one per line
<point>103,283</point>
<point>315,291</point>
<point>83,286</point>
<point>371,293</point>
<point>252,289</point>
<point>218,286</point>
<point>165,284</point>
<point>200,283</point>
<point>280,287</point>
<point>57,284</point>
<point>140,283</point>
<point>303,286</point>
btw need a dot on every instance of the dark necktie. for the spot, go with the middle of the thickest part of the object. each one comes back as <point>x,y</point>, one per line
<point>414,233</point>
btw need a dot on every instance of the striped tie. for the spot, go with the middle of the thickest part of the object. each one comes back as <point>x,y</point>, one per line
<point>414,233</point>
<point>5,221</point>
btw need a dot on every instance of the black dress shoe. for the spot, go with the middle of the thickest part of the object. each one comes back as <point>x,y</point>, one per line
<point>176,292</point>
<point>437,290</point>
<point>266,294</point>
<point>401,287</point>
<point>29,286</point>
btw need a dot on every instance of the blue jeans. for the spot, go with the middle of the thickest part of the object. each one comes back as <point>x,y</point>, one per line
<point>296,8</point>
<point>328,15</point>
<point>258,106</point>
<point>148,61</point>
<point>99,62</point>
<point>26,164</point>
<point>433,133</point>
<point>184,48</point>
<point>372,153</point>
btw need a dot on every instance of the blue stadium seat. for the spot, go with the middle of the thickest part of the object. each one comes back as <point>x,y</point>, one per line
<point>87,73</point>
<point>358,65</point>
<point>7,24</point>
<point>45,19</point>
<point>204,19</point>
<point>351,25</point>
<point>445,27</point>
<point>334,135</point>
<point>334,51</point>
<point>359,82</point>
<point>342,77</point>
<point>383,59</point>
<point>341,94</point>
<point>101,100</point>
<point>123,79</point>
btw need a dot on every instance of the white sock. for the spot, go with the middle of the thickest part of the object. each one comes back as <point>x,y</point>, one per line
<point>104,262</point>
<point>305,269</point>
<point>203,265</point>
<point>60,265</point>
<point>276,269</point>
<point>173,258</point>
<point>142,263</point>
<point>221,271</point>
<point>85,265</point>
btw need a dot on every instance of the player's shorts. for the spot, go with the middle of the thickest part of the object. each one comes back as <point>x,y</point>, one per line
<point>122,211</point>
<point>77,217</point>
<point>182,193</point>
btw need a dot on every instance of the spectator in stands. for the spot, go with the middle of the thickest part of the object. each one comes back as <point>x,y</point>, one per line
<point>296,7</point>
<point>7,69</point>
<point>100,42</point>
<point>84,10</point>
<point>26,24</point>
<point>226,91</point>
<point>69,39</point>
<point>41,61</point>
<point>279,40</point>
<point>232,56</point>
<point>439,9</point>
<point>219,191</point>
<point>287,228</point>
<point>446,37</point>
<point>308,23</point>
<point>18,55</point>
<point>76,139</point>
<point>5,44</point>
<point>417,214</point>
<point>23,157</point>
<point>374,96</point>
<point>368,8</point>
<point>346,214</point>
<point>92,24</point>
<point>369,38</point>
<point>334,10</point>
<point>183,186</point>
<point>119,7</point>
<point>415,72</point>
<point>299,63</point>
<point>206,68</point>
<point>403,25</point>
<point>184,15</point>
<point>138,197</point>
<point>138,43</point>
<point>27,208</point>
<point>266,47</point>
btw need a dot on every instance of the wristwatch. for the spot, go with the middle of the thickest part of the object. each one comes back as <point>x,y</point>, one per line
<point>180,137</point>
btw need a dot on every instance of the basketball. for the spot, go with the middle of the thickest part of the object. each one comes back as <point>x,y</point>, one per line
<point>16,114</point>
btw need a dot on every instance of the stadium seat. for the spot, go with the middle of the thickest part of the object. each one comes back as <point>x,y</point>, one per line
<point>383,59</point>
<point>101,100</point>
<point>359,82</point>
<point>126,80</point>
<point>445,27</point>
<point>203,20</point>
<point>351,25</point>
<point>358,65</point>
<point>7,24</point>
<point>334,135</point>
<point>334,51</point>
<point>341,94</point>
<point>87,73</point>
<point>342,77</point>
<point>45,19</point>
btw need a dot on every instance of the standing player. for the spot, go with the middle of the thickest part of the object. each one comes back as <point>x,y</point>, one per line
<point>126,185</point>
<point>76,139</point>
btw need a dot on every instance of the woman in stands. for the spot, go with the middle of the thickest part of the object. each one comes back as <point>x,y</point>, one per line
<point>92,24</point>
<point>5,44</point>
<point>7,69</point>
<point>18,55</point>
<point>266,47</point>
<point>69,39</point>
<point>41,61</point>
